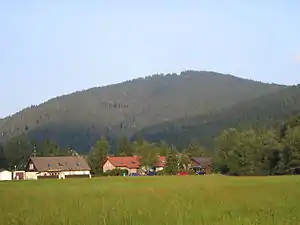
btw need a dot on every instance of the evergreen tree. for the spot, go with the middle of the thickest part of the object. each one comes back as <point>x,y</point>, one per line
<point>17,151</point>
<point>184,160</point>
<point>163,148</point>
<point>98,155</point>
<point>140,139</point>
<point>49,148</point>
<point>125,147</point>
<point>3,159</point>
<point>248,152</point>
<point>292,148</point>
<point>195,149</point>
<point>172,162</point>
<point>149,155</point>
<point>290,123</point>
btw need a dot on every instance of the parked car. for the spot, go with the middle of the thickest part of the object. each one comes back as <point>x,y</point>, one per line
<point>200,173</point>
<point>134,174</point>
<point>183,173</point>
<point>151,173</point>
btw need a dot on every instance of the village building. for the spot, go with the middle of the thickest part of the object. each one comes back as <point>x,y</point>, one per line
<point>202,164</point>
<point>60,167</point>
<point>161,164</point>
<point>5,175</point>
<point>19,175</point>
<point>131,164</point>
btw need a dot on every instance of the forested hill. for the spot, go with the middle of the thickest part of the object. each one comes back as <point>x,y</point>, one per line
<point>79,119</point>
<point>267,110</point>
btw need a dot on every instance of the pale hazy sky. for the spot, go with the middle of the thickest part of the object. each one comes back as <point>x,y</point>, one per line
<point>53,47</point>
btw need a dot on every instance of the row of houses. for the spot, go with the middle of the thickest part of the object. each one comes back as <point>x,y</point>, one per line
<point>62,167</point>
<point>133,165</point>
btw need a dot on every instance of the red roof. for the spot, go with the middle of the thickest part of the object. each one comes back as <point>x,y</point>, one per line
<point>132,162</point>
<point>161,161</point>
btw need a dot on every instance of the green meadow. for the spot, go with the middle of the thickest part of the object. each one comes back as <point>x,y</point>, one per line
<point>152,200</point>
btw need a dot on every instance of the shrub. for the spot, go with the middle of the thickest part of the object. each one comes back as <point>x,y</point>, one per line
<point>116,172</point>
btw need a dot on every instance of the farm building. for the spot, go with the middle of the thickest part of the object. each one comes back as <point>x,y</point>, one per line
<point>202,164</point>
<point>131,164</point>
<point>5,175</point>
<point>60,167</point>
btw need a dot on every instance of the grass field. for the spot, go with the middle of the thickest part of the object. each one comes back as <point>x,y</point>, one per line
<point>152,200</point>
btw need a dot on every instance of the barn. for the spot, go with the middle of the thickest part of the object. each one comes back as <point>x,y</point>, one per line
<point>59,167</point>
<point>5,175</point>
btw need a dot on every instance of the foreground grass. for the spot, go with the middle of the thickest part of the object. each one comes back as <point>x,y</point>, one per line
<point>152,200</point>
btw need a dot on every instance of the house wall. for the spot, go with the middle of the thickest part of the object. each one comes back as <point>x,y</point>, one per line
<point>71,174</point>
<point>132,170</point>
<point>31,176</point>
<point>209,168</point>
<point>19,175</point>
<point>5,175</point>
<point>108,166</point>
<point>63,174</point>
<point>86,172</point>
<point>45,174</point>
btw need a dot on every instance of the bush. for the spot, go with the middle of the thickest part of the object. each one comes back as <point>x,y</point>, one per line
<point>116,172</point>
<point>161,172</point>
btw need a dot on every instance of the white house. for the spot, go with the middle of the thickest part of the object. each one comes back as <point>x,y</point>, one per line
<point>5,175</point>
<point>60,167</point>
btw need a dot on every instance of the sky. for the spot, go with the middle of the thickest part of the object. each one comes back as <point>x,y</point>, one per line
<point>54,47</point>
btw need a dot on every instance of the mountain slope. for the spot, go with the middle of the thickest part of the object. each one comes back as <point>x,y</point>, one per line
<point>266,110</point>
<point>80,118</point>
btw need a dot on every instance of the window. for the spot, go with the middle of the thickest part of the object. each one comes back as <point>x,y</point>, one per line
<point>31,167</point>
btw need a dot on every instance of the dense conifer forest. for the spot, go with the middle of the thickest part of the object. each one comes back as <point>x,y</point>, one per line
<point>77,120</point>
<point>248,127</point>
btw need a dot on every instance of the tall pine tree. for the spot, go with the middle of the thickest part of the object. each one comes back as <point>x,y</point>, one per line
<point>98,155</point>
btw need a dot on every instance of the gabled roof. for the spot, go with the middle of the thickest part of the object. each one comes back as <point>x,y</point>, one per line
<point>61,163</point>
<point>132,162</point>
<point>202,161</point>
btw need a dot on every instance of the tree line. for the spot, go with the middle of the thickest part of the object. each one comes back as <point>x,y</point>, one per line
<point>149,153</point>
<point>259,151</point>
<point>15,152</point>
<point>240,152</point>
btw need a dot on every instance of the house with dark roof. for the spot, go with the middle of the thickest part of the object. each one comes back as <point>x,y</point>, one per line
<point>131,164</point>
<point>202,164</point>
<point>60,167</point>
